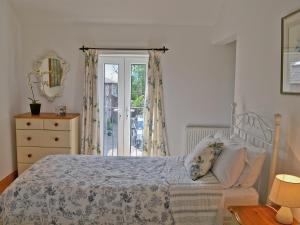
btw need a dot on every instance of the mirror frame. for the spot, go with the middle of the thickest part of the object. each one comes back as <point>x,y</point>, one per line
<point>36,70</point>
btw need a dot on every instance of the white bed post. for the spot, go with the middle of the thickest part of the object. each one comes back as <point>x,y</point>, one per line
<point>233,112</point>
<point>275,151</point>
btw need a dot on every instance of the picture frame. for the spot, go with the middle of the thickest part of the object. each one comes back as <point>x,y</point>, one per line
<point>290,54</point>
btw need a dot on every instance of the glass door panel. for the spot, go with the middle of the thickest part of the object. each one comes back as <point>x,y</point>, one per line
<point>111,109</point>
<point>122,81</point>
<point>138,81</point>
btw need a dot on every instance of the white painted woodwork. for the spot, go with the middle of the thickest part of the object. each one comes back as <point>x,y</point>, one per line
<point>33,154</point>
<point>29,124</point>
<point>29,137</point>
<point>22,167</point>
<point>53,124</point>
<point>58,139</point>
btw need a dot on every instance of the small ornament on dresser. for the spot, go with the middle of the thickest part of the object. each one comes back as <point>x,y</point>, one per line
<point>35,106</point>
<point>61,110</point>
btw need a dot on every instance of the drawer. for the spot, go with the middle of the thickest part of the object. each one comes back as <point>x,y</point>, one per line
<point>22,167</point>
<point>56,139</point>
<point>29,137</point>
<point>57,124</point>
<point>29,124</point>
<point>55,151</point>
<point>33,154</point>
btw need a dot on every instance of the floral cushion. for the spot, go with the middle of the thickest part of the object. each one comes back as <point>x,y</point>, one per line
<point>202,158</point>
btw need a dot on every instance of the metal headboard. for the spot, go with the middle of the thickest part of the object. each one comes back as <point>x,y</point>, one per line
<point>253,129</point>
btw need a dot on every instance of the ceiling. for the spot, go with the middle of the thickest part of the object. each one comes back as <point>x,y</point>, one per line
<point>161,12</point>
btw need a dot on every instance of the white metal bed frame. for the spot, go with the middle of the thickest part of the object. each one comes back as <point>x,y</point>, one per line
<point>253,129</point>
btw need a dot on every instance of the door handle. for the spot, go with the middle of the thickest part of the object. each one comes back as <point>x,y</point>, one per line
<point>127,112</point>
<point>118,111</point>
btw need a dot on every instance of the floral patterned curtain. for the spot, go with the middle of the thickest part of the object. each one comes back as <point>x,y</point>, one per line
<point>90,133</point>
<point>155,138</point>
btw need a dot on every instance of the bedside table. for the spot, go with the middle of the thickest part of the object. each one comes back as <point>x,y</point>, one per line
<point>255,215</point>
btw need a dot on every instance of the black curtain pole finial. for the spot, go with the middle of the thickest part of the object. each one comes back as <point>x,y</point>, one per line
<point>165,49</point>
<point>82,48</point>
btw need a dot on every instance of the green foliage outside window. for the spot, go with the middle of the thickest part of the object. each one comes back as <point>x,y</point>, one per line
<point>138,75</point>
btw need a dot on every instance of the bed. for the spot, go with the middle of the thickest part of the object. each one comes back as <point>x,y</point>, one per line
<point>89,190</point>
<point>67,190</point>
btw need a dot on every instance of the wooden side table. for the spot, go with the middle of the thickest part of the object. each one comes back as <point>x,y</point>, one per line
<point>255,215</point>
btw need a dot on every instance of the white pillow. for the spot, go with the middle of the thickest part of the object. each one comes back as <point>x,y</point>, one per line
<point>230,164</point>
<point>220,134</point>
<point>255,158</point>
<point>201,159</point>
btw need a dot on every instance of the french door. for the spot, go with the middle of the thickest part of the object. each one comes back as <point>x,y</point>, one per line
<point>122,83</point>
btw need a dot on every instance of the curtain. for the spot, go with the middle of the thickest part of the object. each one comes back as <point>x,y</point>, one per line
<point>90,133</point>
<point>155,138</point>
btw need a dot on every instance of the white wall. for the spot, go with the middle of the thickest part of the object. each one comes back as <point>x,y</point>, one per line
<point>199,77</point>
<point>9,86</point>
<point>257,27</point>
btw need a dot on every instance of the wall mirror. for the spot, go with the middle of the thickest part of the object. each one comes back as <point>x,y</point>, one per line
<point>290,54</point>
<point>50,71</point>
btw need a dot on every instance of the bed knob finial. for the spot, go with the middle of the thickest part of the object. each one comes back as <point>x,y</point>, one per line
<point>233,112</point>
<point>275,150</point>
<point>277,119</point>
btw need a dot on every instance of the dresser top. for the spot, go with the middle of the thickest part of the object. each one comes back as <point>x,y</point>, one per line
<point>47,116</point>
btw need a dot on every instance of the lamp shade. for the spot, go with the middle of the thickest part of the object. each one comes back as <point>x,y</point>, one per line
<point>286,191</point>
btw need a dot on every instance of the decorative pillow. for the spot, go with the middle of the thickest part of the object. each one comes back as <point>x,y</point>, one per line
<point>255,158</point>
<point>201,159</point>
<point>230,164</point>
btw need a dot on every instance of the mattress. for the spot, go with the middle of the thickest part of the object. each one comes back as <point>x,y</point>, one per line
<point>240,196</point>
<point>67,190</point>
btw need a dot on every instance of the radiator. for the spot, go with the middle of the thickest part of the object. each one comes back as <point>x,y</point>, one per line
<point>194,134</point>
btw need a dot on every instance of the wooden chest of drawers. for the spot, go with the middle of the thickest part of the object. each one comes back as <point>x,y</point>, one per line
<point>45,134</point>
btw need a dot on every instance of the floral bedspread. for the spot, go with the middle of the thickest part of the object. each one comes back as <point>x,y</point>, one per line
<point>92,190</point>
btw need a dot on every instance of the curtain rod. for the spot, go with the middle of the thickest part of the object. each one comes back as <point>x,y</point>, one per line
<point>163,49</point>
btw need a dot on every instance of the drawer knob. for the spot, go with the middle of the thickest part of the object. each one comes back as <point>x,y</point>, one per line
<point>56,124</point>
<point>28,138</point>
<point>29,155</point>
<point>56,139</point>
<point>28,123</point>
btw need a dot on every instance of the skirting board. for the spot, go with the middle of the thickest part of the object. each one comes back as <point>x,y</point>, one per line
<point>8,180</point>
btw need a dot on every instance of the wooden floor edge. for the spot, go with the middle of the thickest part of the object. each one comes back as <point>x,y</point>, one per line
<point>8,180</point>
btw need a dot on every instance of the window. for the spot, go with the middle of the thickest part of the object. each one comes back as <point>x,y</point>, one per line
<point>123,81</point>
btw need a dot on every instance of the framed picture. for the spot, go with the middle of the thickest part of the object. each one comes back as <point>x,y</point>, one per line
<point>290,54</point>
